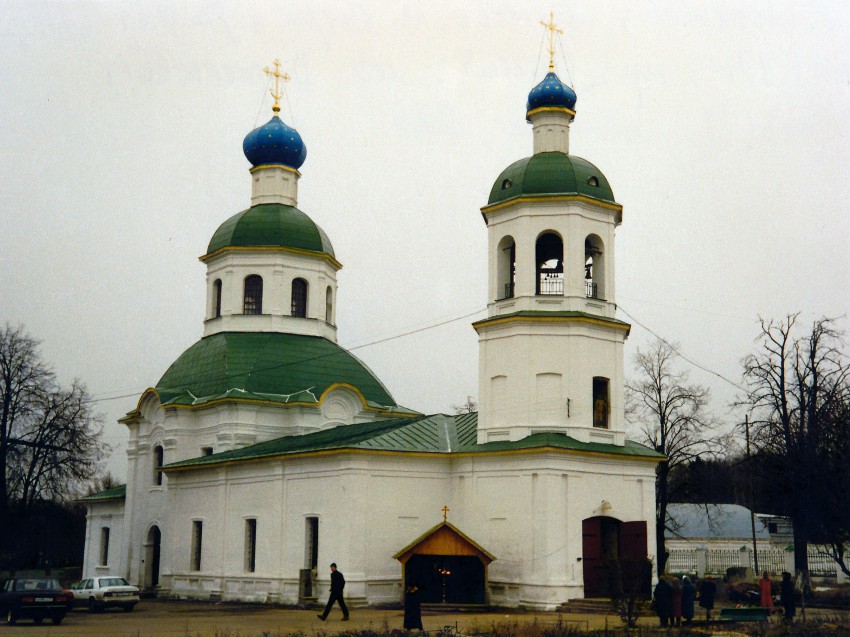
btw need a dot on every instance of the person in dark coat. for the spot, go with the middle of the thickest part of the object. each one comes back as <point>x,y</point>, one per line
<point>412,608</point>
<point>787,593</point>
<point>337,584</point>
<point>663,597</point>
<point>689,593</point>
<point>707,591</point>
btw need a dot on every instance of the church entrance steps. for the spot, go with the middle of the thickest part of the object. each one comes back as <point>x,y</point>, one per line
<point>589,605</point>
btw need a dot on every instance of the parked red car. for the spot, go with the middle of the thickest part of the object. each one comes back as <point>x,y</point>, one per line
<point>33,598</point>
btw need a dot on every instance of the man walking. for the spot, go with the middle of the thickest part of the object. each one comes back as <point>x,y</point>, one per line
<point>337,584</point>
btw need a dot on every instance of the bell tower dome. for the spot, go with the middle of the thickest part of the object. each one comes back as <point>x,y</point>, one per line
<point>551,350</point>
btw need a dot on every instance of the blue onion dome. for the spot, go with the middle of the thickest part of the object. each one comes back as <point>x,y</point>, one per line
<point>274,143</point>
<point>551,92</point>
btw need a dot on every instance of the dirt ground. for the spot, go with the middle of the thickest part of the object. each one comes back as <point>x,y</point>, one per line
<point>196,619</point>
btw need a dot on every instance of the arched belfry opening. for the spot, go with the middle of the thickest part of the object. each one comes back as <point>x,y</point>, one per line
<point>506,268</point>
<point>594,267</point>
<point>550,264</point>
<point>447,566</point>
<point>614,556</point>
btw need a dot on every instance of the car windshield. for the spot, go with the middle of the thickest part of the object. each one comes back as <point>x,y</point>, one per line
<point>113,581</point>
<point>44,584</point>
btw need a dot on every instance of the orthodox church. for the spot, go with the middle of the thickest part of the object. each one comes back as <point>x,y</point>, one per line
<point>266,449</point>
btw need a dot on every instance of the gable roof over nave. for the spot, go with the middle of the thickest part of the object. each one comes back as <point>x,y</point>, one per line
<point>434,434</point>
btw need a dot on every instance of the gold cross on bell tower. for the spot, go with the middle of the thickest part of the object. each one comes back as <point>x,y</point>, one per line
<point>277,91</point>
<point>445,511</point>
<point>550,26</point>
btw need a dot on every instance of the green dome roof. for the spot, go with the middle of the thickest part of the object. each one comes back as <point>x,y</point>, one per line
<point>551,173</point>
<point>265,366</point>
<point>271,225</point>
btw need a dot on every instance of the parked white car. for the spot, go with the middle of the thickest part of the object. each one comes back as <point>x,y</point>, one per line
<point>100,592</point>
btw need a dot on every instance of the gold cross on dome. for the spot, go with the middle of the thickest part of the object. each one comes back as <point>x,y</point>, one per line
<point>445,511</point>
<point>277,91</point>
<point>550,26</point>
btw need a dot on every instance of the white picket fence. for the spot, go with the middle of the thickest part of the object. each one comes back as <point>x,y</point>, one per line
<point>708,561</point>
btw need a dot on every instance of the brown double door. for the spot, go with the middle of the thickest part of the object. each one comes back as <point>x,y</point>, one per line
<point>614,556</point>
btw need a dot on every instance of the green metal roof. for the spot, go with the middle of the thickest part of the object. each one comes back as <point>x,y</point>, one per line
<point>551,173</point>
<point>438,434</point>
<point>115,493</point>
<point>271,225</point>
<point>266,366</point>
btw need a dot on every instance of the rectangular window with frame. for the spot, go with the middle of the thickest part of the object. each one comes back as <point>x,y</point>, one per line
<point>104,546</point>
<point>197,540</point>
<point>601,402</point>
<point>311,543</point>
<point>250,545</point>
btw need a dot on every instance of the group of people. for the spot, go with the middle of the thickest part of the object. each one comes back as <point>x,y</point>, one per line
<point>673,599</point>
<point>787,594</point>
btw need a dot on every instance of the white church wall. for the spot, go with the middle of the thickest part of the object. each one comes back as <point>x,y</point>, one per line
<point>526,509</point>
<point>104,515</point>
<point>572,354</point>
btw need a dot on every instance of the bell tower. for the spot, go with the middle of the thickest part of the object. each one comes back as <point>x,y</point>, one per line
<point>550,349</point>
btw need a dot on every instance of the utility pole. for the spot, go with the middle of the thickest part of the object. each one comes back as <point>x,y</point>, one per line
<point>752,503</point>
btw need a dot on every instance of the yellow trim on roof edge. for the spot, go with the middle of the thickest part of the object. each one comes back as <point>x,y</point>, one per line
<point>347,386</point>
<point>415,454</point>
<point>557,109</point>
<point>310,253</point>
<point>553,199</point>
<point>287,168</point>
<point>551,319</point>
<point>253,401</point>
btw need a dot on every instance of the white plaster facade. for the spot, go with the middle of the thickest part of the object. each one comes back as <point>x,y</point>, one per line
<point>245,529</point>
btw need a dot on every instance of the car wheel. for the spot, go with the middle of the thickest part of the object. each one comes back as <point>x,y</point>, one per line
<point>37,620</point>
<point>57,619</point>
<point>10,617</point>
<point>93,606</point>
<point>129,608</point>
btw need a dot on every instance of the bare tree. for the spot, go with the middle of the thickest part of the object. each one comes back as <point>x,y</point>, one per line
<point>468,407</point>
<point>796,387</point>
<point>670,415</point>
<point>49,435</point>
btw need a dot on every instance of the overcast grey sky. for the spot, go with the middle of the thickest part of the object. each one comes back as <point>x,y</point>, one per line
<point>723,128</point>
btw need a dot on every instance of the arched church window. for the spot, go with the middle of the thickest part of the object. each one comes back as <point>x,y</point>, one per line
<point>299,298</point>
<point>253,299</point>
<point>506,268</point>
<point>594,267</point>
<point>506,184</point>
<point>158,455</point>
<point>601,402</point>
<point>550,264</point>
<point>217,298</point>
<point>329,306</point>
<point>593,181</point>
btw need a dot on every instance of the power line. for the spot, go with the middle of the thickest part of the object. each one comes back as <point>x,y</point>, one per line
<point>314,358</point>
<point>446,322</point>
<point>679,353</point>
